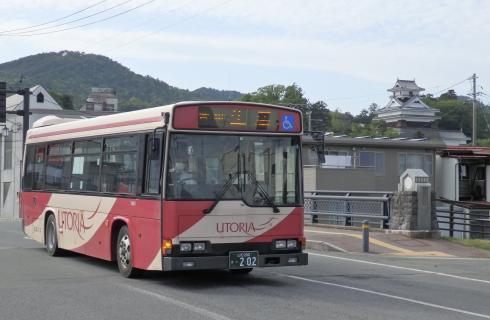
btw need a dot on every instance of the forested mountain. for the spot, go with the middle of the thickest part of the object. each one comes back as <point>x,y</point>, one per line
<point>74,73</point>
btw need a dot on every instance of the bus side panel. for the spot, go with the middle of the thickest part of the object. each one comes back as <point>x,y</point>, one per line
<point>144,229</point>
<point>33,206</point>
<point>145,240</point>
<point>291,227</point>
<point>172,210</point>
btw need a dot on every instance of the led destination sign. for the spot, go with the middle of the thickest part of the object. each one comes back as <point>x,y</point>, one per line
<point>237,118</point>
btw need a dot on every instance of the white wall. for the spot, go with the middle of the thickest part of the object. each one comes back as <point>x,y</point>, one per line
<point>447,178</point>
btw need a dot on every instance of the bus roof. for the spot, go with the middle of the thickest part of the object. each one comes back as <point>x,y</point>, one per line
<point>48,129</point>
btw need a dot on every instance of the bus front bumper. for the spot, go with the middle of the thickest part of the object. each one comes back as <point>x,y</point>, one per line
<point>222,262</point>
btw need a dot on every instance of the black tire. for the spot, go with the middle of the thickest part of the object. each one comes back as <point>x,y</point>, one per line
<point>241,271</point>
<point>51,237</point>
<point>123,254</point>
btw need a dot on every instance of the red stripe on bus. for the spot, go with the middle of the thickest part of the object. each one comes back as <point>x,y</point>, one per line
<point>33,205</point>
<point>98,127</point>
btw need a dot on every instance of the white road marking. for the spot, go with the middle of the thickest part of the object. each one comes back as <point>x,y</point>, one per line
<point>440,258</point>
<point>28,238</point>
<point>401,268</point>
<point>184,305</point>
<point>328,244</point>
<point>428,304</point>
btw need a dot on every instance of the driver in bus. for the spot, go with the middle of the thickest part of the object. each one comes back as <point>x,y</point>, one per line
<point>182,173</point>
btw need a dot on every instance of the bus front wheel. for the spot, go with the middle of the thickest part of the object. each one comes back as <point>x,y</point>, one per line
<point>51,238</point>
<point>123,254</point>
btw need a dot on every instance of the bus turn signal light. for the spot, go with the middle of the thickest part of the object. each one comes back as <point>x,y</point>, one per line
<point>303,243</point>
<point>167,247</point>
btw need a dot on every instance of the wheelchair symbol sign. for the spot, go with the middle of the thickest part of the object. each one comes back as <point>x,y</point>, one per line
<point>287,122</point>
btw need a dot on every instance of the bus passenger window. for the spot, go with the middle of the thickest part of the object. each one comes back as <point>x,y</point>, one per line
<point>119,165</point>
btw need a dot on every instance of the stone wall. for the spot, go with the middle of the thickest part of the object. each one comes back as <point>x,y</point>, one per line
<point>404,211</point>
<point>404,214</point>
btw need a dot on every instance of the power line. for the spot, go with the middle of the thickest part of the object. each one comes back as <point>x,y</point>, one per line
<point>451,86</point>
<point>173,24</point>
<point>84,25</point>
<point>149,20</point>
<point>32,32</point>
<point>55,20</point>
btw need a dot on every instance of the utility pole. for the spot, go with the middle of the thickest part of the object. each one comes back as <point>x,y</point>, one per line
<point>473,136</point>
<point>22,113</point>
<point>25,124</point>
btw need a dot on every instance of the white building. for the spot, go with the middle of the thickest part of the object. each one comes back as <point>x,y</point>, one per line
<point>405,108</point>
<point>11,146</point>
<point>101,100</point>
<point>407,114</point>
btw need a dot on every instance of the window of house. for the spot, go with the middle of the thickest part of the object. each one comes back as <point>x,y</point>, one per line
<point>337,159</point>
<point>7,162</point>
<point>367,159</point>
<point>40,98</point>
<point>58,166</point>
<point>415,161</point>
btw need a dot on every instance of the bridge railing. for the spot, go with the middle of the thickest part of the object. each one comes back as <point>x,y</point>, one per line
<point>348,208</point>
<point>465,220</point>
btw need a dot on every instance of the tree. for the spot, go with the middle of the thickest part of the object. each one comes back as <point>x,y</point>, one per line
<point>292,96</point>
<point>67,102</point>
<point>362,117</point>
<point>320,116</point>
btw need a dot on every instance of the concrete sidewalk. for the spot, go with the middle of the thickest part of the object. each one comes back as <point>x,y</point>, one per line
<point>326,238</point>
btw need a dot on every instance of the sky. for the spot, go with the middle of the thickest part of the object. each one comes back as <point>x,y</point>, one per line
<point>346,53</point>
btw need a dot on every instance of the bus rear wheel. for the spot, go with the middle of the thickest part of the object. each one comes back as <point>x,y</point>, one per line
<point>51,237</point>
<point>123,254</point>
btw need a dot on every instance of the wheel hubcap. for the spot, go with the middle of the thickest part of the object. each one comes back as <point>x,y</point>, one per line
<point>125,251</point>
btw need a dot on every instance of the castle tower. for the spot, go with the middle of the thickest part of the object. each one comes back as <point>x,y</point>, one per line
<point>406,109</point>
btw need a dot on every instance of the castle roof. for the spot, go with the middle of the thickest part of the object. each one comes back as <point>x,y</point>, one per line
<point>408,85</point>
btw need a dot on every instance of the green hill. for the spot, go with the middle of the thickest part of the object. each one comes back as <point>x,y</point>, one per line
<point>74,74</point>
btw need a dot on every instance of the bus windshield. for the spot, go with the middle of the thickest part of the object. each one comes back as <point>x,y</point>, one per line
<point>199,166</point>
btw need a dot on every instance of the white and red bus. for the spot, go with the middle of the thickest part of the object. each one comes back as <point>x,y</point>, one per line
<point>194,185</point>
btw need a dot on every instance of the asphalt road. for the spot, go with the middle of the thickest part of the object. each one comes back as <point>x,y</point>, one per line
<point>334,286</point>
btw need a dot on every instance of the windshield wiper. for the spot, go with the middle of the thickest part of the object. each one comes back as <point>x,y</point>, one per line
<point>263,193</point>
<point>222,192</point>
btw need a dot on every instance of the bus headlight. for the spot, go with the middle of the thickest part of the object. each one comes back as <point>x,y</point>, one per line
<point>199,246</point>
<point>280,244</point>
<point>292,244</point>
<point>185,247</point>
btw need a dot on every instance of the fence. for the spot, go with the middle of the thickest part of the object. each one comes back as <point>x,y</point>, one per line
<point>348,208</point>
<point>465,220</point>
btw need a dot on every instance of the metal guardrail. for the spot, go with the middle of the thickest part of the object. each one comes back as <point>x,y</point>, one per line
<point>462,220</point>
<point>348,208</point>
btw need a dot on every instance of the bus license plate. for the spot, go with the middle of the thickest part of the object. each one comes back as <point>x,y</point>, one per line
<point>243,259</point>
